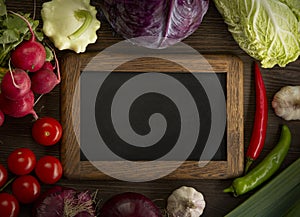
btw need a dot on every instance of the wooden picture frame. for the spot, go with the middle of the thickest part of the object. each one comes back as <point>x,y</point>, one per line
<point>74,168</point>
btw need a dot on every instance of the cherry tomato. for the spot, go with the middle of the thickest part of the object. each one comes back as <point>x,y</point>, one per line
<point>9,205</point>
<point>46,131</point>
<point>21,161</point>
<point>26,189</point>
<point>3,175</point>
<point>49,169</point>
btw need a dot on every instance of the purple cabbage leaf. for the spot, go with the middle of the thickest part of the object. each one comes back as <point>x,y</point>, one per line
<point>155,23</point>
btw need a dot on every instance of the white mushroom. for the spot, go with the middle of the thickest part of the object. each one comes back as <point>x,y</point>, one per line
<point>185,202</point>
<point>286,103</point>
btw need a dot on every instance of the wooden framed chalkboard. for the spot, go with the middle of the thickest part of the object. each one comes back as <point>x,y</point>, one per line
<point>228,160</point>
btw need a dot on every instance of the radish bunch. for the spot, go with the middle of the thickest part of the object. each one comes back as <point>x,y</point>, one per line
<point>31,74</point>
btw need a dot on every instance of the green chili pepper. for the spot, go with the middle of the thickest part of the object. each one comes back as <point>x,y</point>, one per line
<point>265,169</point>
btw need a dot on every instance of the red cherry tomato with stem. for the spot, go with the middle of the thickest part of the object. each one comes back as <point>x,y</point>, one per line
<point>3,175</point>
<point>26,189</point>
<point>46,131</point>
<point>21,161</point>
<point>49,169</point>
<point>9,205</point>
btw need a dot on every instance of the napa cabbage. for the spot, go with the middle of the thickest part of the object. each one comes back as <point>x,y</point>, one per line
<point>268,30</point>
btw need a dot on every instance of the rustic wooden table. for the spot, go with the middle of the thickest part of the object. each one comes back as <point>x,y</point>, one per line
<point>213,38</point>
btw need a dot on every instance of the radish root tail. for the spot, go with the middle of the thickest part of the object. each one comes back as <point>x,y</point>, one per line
<point>12,75</point>
<point>56,65</point>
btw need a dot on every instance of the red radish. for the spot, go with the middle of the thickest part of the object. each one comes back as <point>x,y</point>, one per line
<point>129,204</point>
<point>18,108</point>
<point>15,84</point>
<point>48,65</point>
<point>29,55</point>
<point>1,118</point>
<point>44,80</point>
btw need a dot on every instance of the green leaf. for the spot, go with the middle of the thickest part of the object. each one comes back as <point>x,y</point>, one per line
<point>49,54</point>
<point>39,35</point>
<point>3,11</point>
<point>16,23</point>
<point>294,6</point>
<point>9,36</point>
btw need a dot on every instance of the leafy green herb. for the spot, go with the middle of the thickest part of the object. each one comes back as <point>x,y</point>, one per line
<point>13,30</point>
<point>2,8</point>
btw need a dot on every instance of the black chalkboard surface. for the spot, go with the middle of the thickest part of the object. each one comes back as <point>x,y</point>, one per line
<point>93,93</point>
<point>143,107</point>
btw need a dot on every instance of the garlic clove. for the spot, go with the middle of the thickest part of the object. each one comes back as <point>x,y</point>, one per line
<point>185,202</point>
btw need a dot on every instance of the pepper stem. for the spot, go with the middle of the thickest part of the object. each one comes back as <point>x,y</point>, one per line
<point>249,161</point>
<point>87,20</point>
<point>228,190</point>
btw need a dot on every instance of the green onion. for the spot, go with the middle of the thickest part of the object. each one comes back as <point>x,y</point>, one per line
<point>275,198</point>
<point>294,210</point>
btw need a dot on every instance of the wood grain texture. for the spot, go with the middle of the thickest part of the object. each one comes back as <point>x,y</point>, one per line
<point>211,37</point>
<point>235,116</point>
<point>72,65</point>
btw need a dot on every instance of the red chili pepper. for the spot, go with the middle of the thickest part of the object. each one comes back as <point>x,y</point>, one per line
<point>260,122</point>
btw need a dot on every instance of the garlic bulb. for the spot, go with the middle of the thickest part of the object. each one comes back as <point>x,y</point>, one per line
<point>185,202</point>
<point>286,103</point>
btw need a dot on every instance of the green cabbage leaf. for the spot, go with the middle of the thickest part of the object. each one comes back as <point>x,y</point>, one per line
<point>268,30</point>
